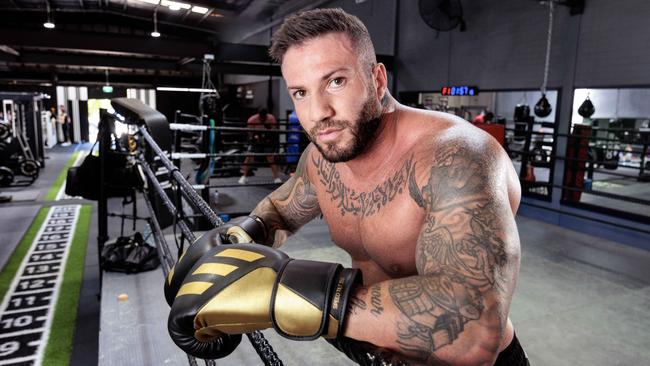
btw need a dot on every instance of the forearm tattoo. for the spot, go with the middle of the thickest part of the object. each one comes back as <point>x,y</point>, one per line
<point>356,304</point>
<point>292,205</point>
<point>363,204</point>
<point>459,254</point>
<point>375,301</point>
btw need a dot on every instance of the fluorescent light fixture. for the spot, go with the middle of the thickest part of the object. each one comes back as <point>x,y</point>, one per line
<point>155,33</point>
<point>154,2</point>
<point>190,90</point>
<point>107,88</point>
<point>199,9</point>
<point>175,5</point>
<point>49,24</point>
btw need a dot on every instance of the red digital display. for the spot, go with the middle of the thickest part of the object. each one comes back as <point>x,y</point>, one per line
<point>459,90</point>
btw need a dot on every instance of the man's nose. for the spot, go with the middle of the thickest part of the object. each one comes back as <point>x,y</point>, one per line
<point>320,108</point>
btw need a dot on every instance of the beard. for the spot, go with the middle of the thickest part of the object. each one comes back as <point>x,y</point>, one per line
<point>363,131</point>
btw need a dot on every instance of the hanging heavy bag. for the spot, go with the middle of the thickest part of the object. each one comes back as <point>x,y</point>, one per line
<point>543,107</point>
<point>522,112</point>
<point>587,108</point>
<point>129,255</point>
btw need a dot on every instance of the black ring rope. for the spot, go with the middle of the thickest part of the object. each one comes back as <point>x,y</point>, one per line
<point>165,200</point>
<point>260,344</point>
<point>165,257</point>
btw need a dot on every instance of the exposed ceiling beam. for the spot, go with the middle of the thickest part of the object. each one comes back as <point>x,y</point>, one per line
<point>65,78</point>
<point>128,44</point>
<point>90,60</point>
<point>84,12</point>
<point>205,16</point>
<point>103,42</point>
<point>9,50</point>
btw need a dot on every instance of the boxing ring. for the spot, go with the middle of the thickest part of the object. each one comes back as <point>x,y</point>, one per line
<point>152,132</point>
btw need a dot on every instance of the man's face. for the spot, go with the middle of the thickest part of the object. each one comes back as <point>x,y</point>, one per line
<point>334,95</point>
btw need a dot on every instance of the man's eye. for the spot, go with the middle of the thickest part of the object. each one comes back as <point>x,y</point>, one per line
<point>298,94</point>
<point>338,82</point>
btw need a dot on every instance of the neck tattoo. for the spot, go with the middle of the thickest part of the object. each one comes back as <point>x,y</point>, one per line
<point>364,204</point>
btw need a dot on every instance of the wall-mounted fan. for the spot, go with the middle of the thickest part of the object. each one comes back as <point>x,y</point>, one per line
<point>442,15</point>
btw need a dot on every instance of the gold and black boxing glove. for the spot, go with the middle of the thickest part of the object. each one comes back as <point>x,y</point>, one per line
<point>243,229</point>
<point>241,288</point>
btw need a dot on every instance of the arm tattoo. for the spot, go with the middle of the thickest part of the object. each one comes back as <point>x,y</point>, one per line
<point>360,203</point>
<point>300,206</point>
<point>291,205</point>
<point>459,255</point>
<point>375,301</point>
<point>357,304</point>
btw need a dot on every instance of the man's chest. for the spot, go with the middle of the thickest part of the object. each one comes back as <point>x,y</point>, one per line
<point>375,221</point>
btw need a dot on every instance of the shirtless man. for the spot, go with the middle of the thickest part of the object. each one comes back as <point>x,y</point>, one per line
<point>422,201</point>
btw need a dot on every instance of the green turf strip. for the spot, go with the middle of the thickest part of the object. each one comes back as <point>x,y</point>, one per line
<point>56,186</point>
<point>59,344</point>
<point>13,264</point>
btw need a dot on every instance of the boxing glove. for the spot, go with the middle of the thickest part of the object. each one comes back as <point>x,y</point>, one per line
<point>243,229</point>
<point>241,288</point>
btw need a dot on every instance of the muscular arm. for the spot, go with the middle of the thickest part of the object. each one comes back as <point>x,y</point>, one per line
<point>467,256</point>
<point>291,206</point>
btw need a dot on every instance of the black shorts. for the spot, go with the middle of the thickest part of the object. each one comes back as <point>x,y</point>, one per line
<point>513,355</point>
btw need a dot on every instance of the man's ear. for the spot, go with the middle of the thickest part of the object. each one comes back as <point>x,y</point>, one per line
<point>381,80</point>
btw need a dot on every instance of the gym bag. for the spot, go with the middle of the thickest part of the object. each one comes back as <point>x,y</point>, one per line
<point>129,255</point>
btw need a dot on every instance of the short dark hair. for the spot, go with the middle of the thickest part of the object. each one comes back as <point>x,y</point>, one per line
<point>263,112</point>
<point>310,24</point>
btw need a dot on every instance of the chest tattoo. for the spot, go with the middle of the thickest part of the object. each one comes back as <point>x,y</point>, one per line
<point>364,204</point>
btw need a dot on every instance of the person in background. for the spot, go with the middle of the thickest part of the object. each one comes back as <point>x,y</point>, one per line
<point>64,121</point>
<point>261,142</point>
<point>484,117</point>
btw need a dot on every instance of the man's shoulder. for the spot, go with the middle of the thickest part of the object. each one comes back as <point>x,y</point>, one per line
<point>446,135</point>
<point>450,145</point>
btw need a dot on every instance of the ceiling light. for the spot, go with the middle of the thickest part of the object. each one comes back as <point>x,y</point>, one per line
<point>199,9</point>
<point>49,24</point>
<point>154,2</point>
<point>175,5</point>
<point>107,88</point>
<point>155,32</point>
<point>191,90</point>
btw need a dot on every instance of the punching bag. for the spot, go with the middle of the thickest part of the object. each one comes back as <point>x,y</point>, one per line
<point>587,108</point>
<point>543,107</point>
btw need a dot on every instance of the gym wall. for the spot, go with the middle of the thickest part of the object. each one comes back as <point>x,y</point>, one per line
<point>505,42</point>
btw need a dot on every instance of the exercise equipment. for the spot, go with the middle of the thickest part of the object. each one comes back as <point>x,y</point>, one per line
<point>543,108</point>
<point>587,108</point>
<point>16,156</point>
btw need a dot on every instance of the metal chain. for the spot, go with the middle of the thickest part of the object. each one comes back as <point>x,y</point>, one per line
<point>549,38</point>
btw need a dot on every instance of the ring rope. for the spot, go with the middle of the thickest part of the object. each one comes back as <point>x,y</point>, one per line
<point>260,344</point>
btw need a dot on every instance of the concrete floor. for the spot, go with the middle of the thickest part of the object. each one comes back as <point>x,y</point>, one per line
<point>581,300</point>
